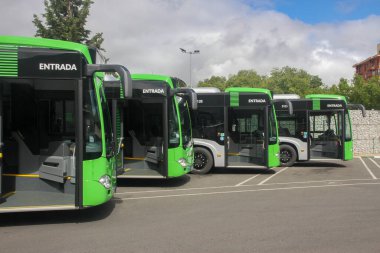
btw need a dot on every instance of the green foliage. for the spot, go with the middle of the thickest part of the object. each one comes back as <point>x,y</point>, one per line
<point>366,92</point>
<point>66,20</point>
<point>246,78</point>
<point>215,81</point>
<point>294,81</point>
<point>298,81</point>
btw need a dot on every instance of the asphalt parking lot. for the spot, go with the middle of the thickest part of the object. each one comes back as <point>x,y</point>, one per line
<point>329,206</point>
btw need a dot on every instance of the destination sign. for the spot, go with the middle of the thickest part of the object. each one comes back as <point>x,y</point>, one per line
<point>253,99</point>
<point>49,63</point>
<point>149,88</point>
<point>332,104</point>
<point>211,99</point>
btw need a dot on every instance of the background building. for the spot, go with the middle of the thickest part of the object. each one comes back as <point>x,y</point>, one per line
<point>369,67</point>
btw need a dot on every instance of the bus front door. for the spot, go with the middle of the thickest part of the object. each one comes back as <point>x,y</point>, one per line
<point>145,121</point>
<point>326,134</point>
<point>245,142</point>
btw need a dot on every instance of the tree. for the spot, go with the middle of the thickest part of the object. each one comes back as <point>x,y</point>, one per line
<point>294,81</point>
<point>343,88</point>
<point>298,81</point>
<point>246,78</point>
<point>366,92</point>
<point>215,81</point>
<point>66,20</point>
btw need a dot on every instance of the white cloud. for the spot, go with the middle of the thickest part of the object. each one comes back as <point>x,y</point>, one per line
<point>146,36</point>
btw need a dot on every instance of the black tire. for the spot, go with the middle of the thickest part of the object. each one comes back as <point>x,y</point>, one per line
<point>288,155</point>
<point>203,161</point>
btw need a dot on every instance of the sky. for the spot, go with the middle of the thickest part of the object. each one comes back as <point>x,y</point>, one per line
<point>322,37</point>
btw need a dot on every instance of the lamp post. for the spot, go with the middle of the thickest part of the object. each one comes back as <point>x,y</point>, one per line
<point>190,53</point>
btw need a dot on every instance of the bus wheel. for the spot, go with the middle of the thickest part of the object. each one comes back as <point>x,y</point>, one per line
<point>203,161</point>
<point>288,155</point>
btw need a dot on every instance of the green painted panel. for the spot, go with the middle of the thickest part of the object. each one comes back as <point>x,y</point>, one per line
<point>326,96</point>
<point>316,104</point>
<point>8,61</point>
<point>348,150</point>
<point>174,154</point>
<point>8,42</point>
<point>274,155</point>
<point>234,99</point>
<point>249,89</point>
<point>94,193</point>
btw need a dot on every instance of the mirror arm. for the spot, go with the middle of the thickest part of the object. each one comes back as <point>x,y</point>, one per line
<point>359,107</point>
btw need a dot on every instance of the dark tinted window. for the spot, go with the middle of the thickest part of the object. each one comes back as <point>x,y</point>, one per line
<point>108,133</point>
<point>91,123</point>
<point>208,123</point>
<point>173,125</point>
<point>185,120</point>
<point>272,127</point>
<point>348,127</point>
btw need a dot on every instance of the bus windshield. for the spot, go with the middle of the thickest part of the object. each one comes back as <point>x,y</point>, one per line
<point>91,123</point>
<point>272,127</point>
<point>185,121</point>
<point>173,125</point>
<point>108,133</point>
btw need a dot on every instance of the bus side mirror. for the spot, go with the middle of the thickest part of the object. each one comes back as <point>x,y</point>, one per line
<point>288,104</point>
<point>193,100</point>
<point>123,72</point>
<point>357,107</point>
<point>190,96</point>
<point>112,85</point>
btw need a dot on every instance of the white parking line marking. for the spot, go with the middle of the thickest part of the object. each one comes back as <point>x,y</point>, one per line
<point>369,171</point>
<point>265,180</point>
<point>247,185</point>
<point>321,181</point>
<point>185,189</point>
<point>324,159</point>
<point>244,191</point>
<point>374,162</point>
<point>249,179</point>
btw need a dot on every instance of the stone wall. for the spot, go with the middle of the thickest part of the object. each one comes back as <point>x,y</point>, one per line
<point>366,132</point>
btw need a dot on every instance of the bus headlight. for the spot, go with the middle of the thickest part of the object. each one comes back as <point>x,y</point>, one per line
<point>106,181</point>
<point>182,162</point>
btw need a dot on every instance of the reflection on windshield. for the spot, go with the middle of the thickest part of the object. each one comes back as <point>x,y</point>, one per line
<point>91,123</point>
<point>185,120</point>
<point>173,125</point>
<point>272,127</point>
<point>108,131</point>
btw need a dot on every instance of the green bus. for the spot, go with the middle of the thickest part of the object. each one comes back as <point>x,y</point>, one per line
<point>234,129</point>
<point>318,129</point>
<point>155,127</point>
<point>57,144</point>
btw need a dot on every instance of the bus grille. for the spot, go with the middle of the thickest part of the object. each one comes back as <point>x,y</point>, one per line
<point>8,61</point>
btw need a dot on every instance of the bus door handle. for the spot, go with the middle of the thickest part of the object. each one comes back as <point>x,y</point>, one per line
<point>228,142</point>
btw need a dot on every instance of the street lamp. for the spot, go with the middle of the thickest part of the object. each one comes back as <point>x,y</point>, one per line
<point>190,53</point>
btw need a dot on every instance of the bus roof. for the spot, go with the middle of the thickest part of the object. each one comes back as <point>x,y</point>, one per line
<point>247,89</point>
<point>46,43</point>
<point>326,96</point>
<point>206,90</point>
<point>286,96</point>
<point>154,77</point>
